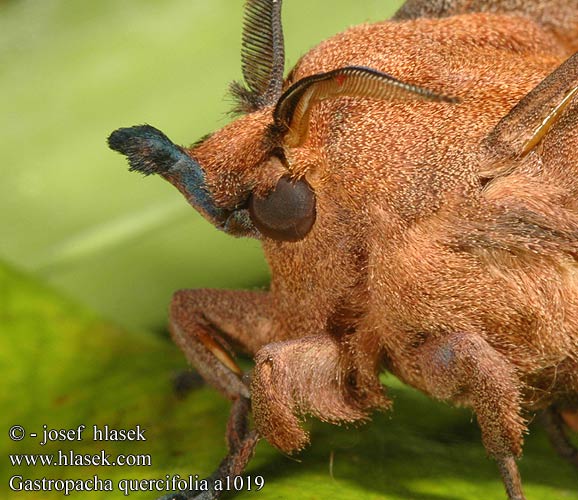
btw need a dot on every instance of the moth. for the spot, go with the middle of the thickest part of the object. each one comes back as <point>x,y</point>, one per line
<point>414,185</point>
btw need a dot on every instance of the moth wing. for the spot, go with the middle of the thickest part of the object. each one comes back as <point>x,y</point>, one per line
<point>539,136</point>
<point>529,175</point>
<point>559,153</point>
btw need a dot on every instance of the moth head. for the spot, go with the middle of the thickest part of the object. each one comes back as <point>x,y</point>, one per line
<point>240,178</point>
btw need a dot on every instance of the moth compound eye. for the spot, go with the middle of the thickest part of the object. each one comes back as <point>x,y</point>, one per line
<point>287,213</point>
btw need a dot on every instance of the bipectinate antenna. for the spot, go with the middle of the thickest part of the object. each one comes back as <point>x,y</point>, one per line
<point>262,56</point>
<point>292,111</point>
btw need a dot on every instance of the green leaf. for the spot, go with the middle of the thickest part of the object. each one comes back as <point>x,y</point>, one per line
<point>63,367</point>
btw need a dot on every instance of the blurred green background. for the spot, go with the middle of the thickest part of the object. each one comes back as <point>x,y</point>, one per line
<point>90,255</point>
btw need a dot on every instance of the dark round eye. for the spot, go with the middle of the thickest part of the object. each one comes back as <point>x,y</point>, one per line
<point>287,213</point>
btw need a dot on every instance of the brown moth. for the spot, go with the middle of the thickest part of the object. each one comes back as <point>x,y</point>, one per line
<point>414,184</point>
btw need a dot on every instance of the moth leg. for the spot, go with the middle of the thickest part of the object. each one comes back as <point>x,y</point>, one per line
<point>465,369</point>
<point>241,442</point>
<point>570,418</point>
<point>305,376</point>
<point>185,382</point>
<point>556,430</point>
<point>205,324</point>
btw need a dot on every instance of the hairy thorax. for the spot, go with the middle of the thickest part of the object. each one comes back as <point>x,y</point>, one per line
<point>384,267</point>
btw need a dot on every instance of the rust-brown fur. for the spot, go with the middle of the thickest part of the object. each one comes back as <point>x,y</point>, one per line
<point>408,247</point>
<point>439,252</point>
<point>391,181</point>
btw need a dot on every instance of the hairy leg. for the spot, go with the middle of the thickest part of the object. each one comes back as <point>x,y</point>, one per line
<point>465,369</point>
<point>241,442</point>
<point>567,405</point>
<point>571,419</point>
<point>185,382</point>
<point>555,428</point>
<point>305,376</point>
<point>206,325</point>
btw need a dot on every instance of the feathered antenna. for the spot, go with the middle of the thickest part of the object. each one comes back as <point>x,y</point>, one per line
<point>294,107</point>
<point>262,56</point>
